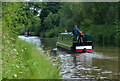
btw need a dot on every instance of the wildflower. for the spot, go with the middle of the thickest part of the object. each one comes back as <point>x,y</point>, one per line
<point>17,53</point>
<point>17,66</point>
<point>15,75</point>
<point>14,50</point>
<point>13,45</point>
<point>4,36</point>
<point>22,50</point>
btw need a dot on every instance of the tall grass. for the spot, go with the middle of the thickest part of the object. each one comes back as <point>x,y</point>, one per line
<point>26,62</point>
<point>0,49</point>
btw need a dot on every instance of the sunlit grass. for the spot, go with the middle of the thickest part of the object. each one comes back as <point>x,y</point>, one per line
<point>26,62</point>
<point>0,48</point>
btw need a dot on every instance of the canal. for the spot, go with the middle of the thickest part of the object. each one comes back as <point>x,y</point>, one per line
<point>101,64</point>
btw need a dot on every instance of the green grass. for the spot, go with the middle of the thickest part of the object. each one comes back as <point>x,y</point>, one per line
<point>0,49</point>
<point>26,62</point>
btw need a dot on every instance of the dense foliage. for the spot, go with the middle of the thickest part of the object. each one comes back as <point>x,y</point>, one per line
<point>21,60</point>
<point>99,19</point>
<point>14,19</point>
<point>49,18</point>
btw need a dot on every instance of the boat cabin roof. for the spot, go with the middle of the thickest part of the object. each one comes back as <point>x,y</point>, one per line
<point>67,33</point>
<point>70,33</point>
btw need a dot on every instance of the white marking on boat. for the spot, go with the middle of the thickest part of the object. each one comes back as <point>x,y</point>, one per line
<point>82,47</point>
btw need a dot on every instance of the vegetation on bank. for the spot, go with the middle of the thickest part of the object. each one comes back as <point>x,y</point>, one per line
<point>103,34</point>
<point>21,60</point>
<point>47,19</point>
<point>24,61</point>
<point>99,19</point>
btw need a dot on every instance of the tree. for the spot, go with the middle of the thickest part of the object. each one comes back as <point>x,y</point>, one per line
<point>47,8</point>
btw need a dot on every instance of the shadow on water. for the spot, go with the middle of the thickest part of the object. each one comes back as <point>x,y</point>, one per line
<point>101,64</point>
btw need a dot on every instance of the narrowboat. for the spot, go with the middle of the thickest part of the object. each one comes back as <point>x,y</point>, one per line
<point>69,42</point>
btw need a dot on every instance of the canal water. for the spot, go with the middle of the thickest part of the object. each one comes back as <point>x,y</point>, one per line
<point>101,64</point>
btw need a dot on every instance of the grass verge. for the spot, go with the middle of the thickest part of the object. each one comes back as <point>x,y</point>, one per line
<point>26,62</point>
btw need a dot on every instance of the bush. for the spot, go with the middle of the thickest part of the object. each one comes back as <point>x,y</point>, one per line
<point>86,23</point>
<point>102,33</point>
<point>53,32</point>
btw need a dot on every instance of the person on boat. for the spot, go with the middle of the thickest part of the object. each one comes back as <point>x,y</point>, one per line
<point>77,35</point>
<point>29,33</point>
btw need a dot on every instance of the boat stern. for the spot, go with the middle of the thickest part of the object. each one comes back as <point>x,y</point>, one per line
<point>83,49</point>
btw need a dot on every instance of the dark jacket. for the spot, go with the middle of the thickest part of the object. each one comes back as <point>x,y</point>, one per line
<point>76,32</point>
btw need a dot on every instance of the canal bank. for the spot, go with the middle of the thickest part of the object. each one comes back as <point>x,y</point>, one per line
<point>101,64</point>
<point>29,62</point>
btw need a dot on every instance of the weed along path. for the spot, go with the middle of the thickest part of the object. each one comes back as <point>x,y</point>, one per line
<point>101,64</point>
<point>37,64</point>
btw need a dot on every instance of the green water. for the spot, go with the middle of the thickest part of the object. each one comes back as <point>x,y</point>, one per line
<point>103,62</point>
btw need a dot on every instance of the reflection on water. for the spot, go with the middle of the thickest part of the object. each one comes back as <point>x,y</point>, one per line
<point>32,39</point>
<point>88,66</point>
<point>101,64</point>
